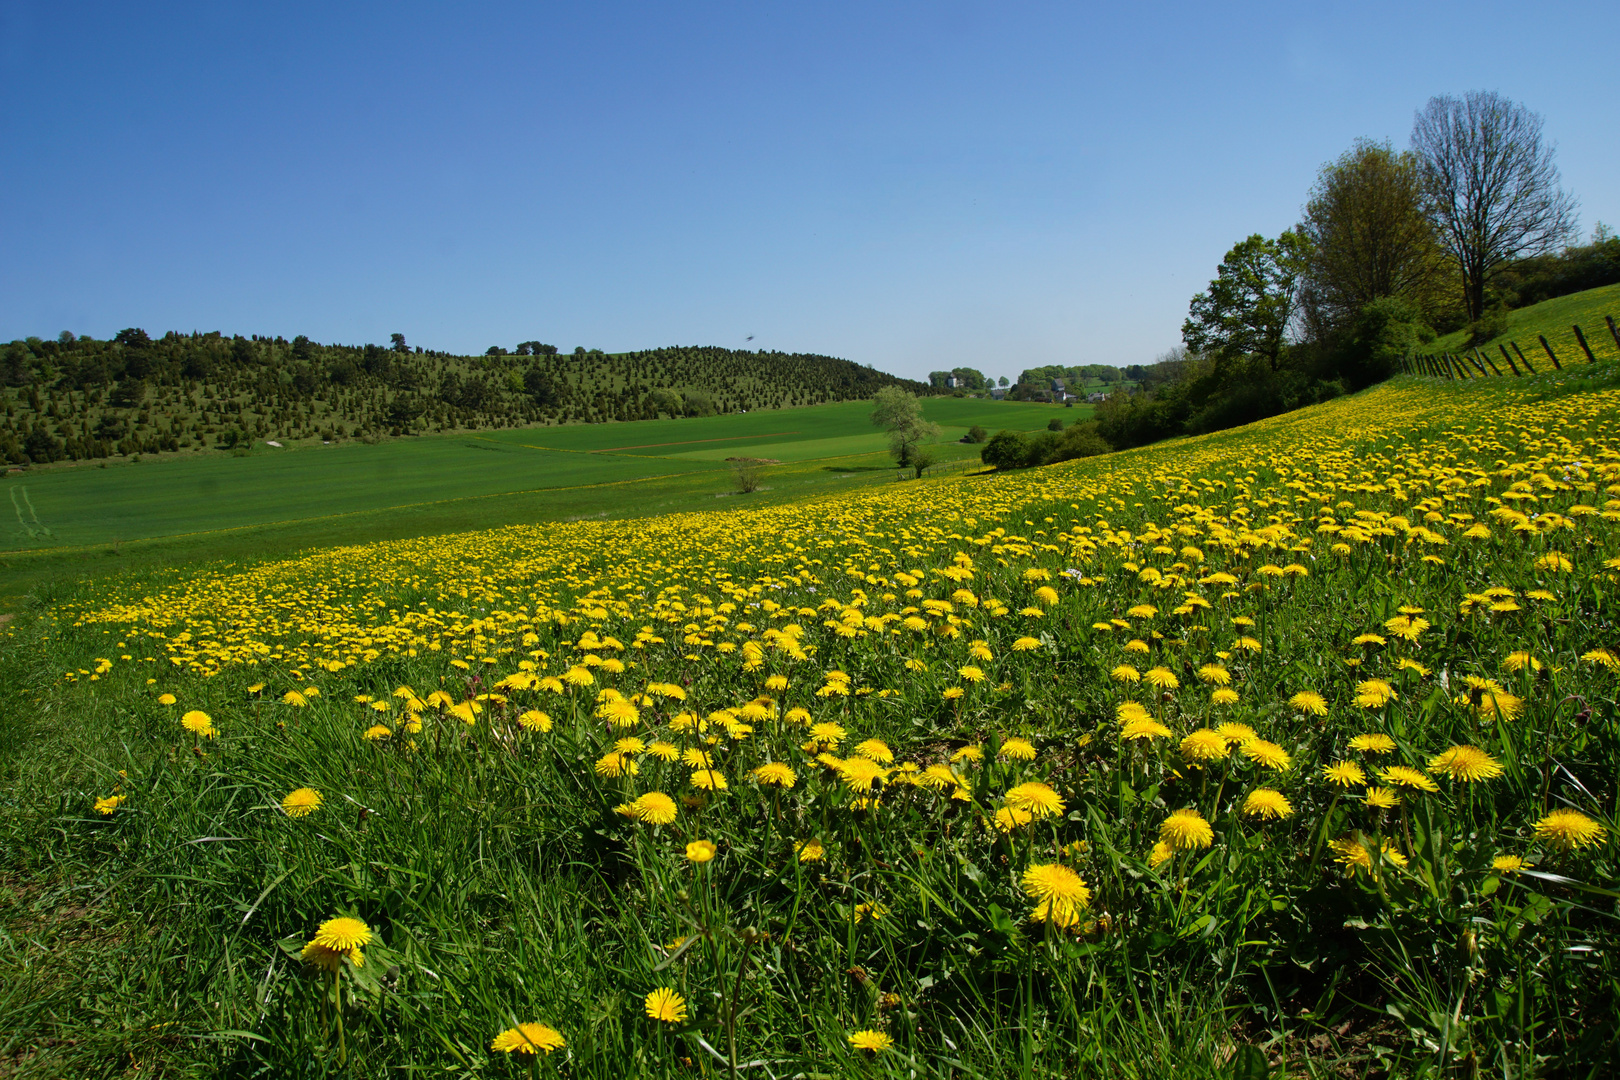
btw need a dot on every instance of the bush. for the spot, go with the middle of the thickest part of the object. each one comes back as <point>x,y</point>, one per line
<point>748,471</point>
<point>1008,450</point>
<point>1040,449</point>
<point>1055,424</point>
<point>977,434</point>
<point>1080,441</point>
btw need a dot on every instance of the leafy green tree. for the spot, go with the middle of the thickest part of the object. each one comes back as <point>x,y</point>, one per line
<point>398,343</point>
<point>899,413</point>
<point>1369,237</point>
<point>1006,450</point>
<point>1250,305</point>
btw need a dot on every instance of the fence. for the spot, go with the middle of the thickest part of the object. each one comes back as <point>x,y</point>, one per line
<point>1451,365</point>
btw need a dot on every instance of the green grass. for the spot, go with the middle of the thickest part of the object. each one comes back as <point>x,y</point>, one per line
<point>92,519</point>
<point>1554,318</point>
<point>504,888</point>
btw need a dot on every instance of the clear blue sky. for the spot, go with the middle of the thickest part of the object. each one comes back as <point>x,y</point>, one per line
<point>914,186</point>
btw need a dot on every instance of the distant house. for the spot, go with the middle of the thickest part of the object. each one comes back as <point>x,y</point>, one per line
<point>998,392</point>
<point>952,382</point>
<point>1092,399</point>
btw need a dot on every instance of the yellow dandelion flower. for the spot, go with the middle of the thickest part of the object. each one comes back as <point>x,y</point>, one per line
<point>1402,776</point>
<point>775,774</point>
<point>1026,644</point>
<point>810,850</point>
<point>1162,678</point>
<point>700,851</point>
<point>1060,893</point>
<point>1266,754</point>
<point>1144,727</point>
<point>709,779</point>
<point>528,1039</point>
<point>1375,694</point>
<point>1508,864</point>
<point>534,720</point>
<point>1039,799</point>
<point>1160,853</point>
<point>1266,803</point>
<point>1203,745</point>
<point>106,806</point>
<point>1016,749</point>
<point>1382,798</point>
<point>872,1042</point>
<point>1309,701</point>
<point>343,934</point>
<point>1344,773</point>
<point>1373,744</point>
<point>1126,674</point>
<point>875,749</point>
<point>1466,763</point>
<point>1214,674</point>
<point>1185,830</point>
<point>1009,818</point>
<point>968,753</point>
<point>166,699</point>
<point>666,1006</point>
<point>1234,733</point>
<point>1569,830</point>
<point>1223,695</point>
<point>653,808</point>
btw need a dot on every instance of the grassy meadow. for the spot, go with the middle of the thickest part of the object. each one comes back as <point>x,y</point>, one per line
<point>67,521</point>
<point>1554,318</point>
<point>1289,750</point>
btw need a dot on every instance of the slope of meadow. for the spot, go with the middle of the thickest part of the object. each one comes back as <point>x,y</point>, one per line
<point>1296,743</point>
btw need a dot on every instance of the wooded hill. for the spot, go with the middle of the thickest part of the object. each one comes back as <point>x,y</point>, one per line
<point>79,398</point>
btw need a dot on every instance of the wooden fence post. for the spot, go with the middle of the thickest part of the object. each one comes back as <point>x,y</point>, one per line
<point>1509,359</point>
<point>1523,359</point>
<point>1550,353</point>
<point>1614,332</point>
<point>1472,359</point>
<point>1489,361</point>
<point>1580,337</point>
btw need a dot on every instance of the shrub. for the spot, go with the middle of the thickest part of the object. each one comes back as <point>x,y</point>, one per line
<point>1008,450</point>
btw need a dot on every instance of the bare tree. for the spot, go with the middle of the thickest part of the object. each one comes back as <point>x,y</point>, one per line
<point>1491,187</point>
<point>1369,236</point>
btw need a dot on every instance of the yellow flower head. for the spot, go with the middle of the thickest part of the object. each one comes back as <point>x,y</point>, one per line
<point>1266,803</point>
<point>700,851</point>
<point>1162,678</point>
<point>1402,776</point>
<point>1060,893</point>
<point>1203,745</point>
<point>1344,773</point>
<point>810,850</point>
<point>1569,830</point>
<point>871,1041</point>
<point>666,1006</point>
<point>1185,830</point>
<point>1016,749</point>
<point>301,801</point>
<point>1466,763</point>
<point>1266,754</point>
<point>1309,701</point>
<point>1373,744</point>
<point>528,1039</point>
<point>343,934</point>
<point>1382,798</point>
<point>1040,800</point>
<point>775,774</point>
<point>107,805</point>
<point>653,808</point>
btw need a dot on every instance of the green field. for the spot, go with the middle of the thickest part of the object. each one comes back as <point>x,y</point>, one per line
<point>68,521</point>
<point>1554,318</point>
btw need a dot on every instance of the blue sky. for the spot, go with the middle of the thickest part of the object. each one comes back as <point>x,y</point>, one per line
<point>913,186</point>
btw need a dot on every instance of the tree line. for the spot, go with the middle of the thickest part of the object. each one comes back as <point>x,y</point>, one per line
<point>80,398</point>
<point>1394,247</point>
